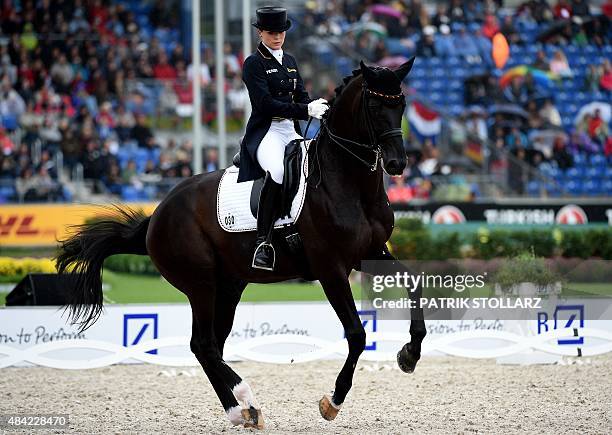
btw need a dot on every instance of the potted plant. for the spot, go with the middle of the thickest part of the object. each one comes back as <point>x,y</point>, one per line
<point>526,275</point>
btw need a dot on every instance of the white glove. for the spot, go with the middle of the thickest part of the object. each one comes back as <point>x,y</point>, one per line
<point>317,108</point>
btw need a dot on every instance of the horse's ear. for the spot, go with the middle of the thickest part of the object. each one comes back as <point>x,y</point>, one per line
<point>404,69</point>
<point>367,72</point>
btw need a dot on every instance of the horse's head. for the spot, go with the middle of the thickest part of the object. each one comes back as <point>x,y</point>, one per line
<point>384,106</point>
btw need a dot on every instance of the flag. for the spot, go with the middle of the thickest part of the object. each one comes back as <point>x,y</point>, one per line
<point>424,122</point>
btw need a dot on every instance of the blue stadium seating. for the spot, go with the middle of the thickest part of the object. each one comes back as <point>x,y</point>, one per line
<point>533,188</point>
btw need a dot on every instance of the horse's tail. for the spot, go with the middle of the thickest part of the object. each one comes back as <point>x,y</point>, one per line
<point>82,254</point>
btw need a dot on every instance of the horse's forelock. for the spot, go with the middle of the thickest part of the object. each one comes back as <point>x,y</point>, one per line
<point>386,82</point>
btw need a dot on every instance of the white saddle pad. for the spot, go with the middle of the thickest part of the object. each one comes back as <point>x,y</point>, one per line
<point>234,200</point>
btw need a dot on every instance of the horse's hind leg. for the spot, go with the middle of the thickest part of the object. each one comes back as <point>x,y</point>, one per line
<point>206,349</point>
<point>228,295</point>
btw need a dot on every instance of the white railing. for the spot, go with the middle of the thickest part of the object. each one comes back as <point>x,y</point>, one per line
<point>315,348</point>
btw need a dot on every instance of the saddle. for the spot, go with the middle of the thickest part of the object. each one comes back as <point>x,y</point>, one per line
<point>292,163</point>
<point>235,214</point>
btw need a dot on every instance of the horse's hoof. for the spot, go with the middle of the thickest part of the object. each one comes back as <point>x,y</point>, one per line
<point>328,410</point>
<point>406,360</point>
<point>253,418</point>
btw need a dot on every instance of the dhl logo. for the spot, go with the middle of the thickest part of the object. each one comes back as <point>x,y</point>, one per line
<point>20,225</point>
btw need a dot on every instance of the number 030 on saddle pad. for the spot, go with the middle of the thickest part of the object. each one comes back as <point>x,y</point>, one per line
<point>237,202</point>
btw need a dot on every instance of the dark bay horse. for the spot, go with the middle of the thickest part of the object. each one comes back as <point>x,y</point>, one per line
<point>346,219</point>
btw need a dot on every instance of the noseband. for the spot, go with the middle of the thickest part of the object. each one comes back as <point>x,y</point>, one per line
<point>374,145</point>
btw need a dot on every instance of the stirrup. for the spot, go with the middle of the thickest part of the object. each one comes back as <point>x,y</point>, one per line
<point>263,245</point>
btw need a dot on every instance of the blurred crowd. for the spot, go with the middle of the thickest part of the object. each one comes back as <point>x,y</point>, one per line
<point>83,82</point>
<point>524,114</point>
<point>88,78</point>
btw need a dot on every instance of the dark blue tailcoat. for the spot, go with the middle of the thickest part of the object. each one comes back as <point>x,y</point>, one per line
<point>276,91</point>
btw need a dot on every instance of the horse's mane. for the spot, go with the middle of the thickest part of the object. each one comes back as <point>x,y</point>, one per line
<point>345,81</point>
<point>312,151</point>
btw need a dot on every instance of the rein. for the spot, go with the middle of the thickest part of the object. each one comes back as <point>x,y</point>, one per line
<point>345,143</point>
<point>374,145</point>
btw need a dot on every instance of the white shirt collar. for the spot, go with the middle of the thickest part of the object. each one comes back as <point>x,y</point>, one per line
<point>278,54</point>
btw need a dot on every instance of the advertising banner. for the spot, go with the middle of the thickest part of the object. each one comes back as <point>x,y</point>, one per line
<point>43,225</point>
<point>504,213</point>
<point>279,333</point>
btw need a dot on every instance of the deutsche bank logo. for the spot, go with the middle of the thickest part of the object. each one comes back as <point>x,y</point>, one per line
<point>139,327</point>
<point>565,316</point>
<point>368,320</point>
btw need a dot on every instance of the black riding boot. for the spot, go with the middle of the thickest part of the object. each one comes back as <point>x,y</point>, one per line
<point>266,216</point>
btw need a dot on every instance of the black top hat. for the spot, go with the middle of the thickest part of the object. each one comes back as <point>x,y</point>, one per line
<point>272,19</point>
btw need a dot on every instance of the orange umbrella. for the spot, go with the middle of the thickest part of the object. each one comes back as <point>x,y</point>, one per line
<point>500,51</point>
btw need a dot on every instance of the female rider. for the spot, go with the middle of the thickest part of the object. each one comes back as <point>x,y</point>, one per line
<point>278,99</point>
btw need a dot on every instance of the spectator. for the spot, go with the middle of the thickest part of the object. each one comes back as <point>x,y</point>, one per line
<point>28,38</point>
<point>399,192</point>
<point>163,70</point>
<point>441,17</point>
<point>212,160</point>
<point>592,78</point>
<point>185,171</point>
<point>167,167</point>
<point>232,66</point>
<point>540,164</point>
<point>476,125</point>
<point>8,69</point>
<point>560,155</point>
<point>129,175</point>
<point>509,31</point>
<point>535,119</point>
<point>205,78</point>
<point>515,93</point>
<point>541,61</point>
<point>580,142</point>
<point>550,114</point>
<point>12,105</point>
<point>412,170</point>
<point>168,100</point>
<point>598,129</point>
<point>560,66</point>
<point>429,163</point>
<point>562,10</point>
<point>112,180</point>
<point>580,8</point>
<point>6,144</point>
<point>62,74</point>
<point>426,46</point>
<point>608,147</point>
<point>605,83</point>
<point>141,133</point>
<point>491,26</point>
<point>516,139</point>
<point>38,186</point>
<point>516,172</point>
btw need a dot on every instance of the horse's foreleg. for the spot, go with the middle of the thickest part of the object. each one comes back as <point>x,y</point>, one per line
<point>338,292</point>
<point>229,292</point>
<point>410,353</point>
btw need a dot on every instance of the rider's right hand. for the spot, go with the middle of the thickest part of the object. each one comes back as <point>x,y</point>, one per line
<point>317,108</point>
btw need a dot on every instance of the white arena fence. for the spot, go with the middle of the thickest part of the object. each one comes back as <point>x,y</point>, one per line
<point>281,333</point>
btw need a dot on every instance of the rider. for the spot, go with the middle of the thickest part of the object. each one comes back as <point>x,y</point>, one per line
<point>278,98</point>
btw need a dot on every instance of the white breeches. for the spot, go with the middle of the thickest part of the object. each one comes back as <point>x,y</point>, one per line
<point>271,151</point>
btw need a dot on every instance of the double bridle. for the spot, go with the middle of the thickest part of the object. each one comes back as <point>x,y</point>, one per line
<point>374,145</point>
